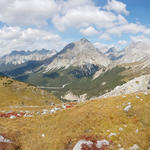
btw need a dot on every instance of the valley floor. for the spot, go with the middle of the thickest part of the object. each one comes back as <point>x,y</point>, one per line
<point>116,123</point>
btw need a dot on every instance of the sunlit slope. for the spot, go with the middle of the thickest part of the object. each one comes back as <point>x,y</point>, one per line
<point>17,93</point>
<point>123,121</point>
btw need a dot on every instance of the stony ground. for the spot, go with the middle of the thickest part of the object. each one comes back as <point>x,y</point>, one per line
<point>115,123</point>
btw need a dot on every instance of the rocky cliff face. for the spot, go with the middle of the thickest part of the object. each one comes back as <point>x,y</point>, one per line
<point>78,53</point>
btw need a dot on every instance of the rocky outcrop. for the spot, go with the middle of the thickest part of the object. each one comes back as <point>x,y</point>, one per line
<point>140,84</point>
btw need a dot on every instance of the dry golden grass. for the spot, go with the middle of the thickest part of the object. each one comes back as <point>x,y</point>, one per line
<point>17,93</point>
<point>93,118</point>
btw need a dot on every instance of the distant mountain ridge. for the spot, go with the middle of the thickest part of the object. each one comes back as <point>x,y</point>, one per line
<point>113,54</point>
<point>20,57</point>
<point>135,52</point>
<point>84,69</point>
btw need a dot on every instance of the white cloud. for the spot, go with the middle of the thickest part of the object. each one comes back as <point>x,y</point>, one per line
<point>27,12</point>
<point>83,15</point>
<point>62,13</point>
<point>117,6</point>
<point>103,46</point>
<point>122,42</point>
<point>122,20</point>
<point>89,31</point>
<point>139,38</point>
<point>129,28</point>
<point>27,39</point>
<point>105,36</point>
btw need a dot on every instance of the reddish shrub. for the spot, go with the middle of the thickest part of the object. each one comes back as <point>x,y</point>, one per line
<point>8,115</point>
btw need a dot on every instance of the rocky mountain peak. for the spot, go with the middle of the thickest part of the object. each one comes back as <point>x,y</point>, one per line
<point>84,40</point>
<point>78,53</point>
<point>111,50</point>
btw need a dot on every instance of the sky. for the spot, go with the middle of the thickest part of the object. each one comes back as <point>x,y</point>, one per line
<point>51,24</point>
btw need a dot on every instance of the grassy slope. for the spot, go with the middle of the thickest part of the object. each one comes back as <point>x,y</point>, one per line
<point>17,93</point>
<point>92,118</point>
<point>79,85</point>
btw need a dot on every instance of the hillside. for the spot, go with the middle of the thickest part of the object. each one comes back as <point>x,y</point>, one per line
<point>114,123</point>
<point>76,80</point>
<point>17,93</point>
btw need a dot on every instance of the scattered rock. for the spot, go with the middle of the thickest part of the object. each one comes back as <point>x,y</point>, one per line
<point>127,108</point>
<point>27,115</point>
<point>4,140</point>
<point>120,129</point>
<point>103,83</point>
<point>137,131</point>
<point>112,134</point>
<point>125,125</point>
<point>102,143</point>
<point>80,143</point>
<point>134,147</point>
<point>88,144</point>
<point>121,148</point>
<point>12,117</point>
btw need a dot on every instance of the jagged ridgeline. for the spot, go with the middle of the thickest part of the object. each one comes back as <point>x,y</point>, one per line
<point>79,71</point>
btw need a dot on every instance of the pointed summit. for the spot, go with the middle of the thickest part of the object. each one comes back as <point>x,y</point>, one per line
<point>78,53</point>
<point>84,40</point>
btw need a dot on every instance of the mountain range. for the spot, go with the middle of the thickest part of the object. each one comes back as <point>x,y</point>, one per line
<point>79,71</point>
<point>20,57</point>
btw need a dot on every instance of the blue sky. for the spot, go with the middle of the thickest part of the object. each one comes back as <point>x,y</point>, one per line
<point>51,24</point>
